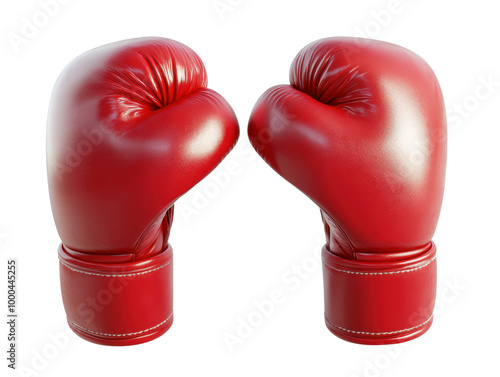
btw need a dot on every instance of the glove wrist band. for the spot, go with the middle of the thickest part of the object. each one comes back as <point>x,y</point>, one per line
<point>117,303</point>
<point>379,302</point>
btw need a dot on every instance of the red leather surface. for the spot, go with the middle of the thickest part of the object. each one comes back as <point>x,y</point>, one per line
<point>377,302</point>
<point>361,130</point>
<point>118,303</point>
<point>131,127</point>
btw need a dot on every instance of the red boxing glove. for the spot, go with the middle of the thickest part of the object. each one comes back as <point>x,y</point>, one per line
<point>131,127</point>
<point>361,130</point>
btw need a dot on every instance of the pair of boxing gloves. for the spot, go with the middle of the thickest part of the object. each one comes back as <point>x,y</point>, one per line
<point>361,130</point>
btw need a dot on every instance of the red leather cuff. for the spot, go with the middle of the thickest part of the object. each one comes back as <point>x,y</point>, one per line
<point>118,303</point>
<point>379,302</point>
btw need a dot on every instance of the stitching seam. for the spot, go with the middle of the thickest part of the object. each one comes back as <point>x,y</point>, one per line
<point>382,273</point>
<point>113,276</point>
<point>380,333</point>
<point>129,334</point>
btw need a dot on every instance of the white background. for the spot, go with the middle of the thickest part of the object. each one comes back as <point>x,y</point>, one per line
<point>256,227</point>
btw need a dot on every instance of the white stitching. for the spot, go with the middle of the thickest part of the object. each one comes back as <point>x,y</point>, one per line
<point>380,333</point>
<point>129,334</point>
<point>382,273</point>
<point>112,276</point>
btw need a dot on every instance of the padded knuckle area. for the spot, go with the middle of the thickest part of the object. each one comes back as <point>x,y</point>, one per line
<point>150,76</point>
<point>325,71</point>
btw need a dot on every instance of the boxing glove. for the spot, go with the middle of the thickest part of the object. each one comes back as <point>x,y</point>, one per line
<point>361,130</point>
<point>131,127</point>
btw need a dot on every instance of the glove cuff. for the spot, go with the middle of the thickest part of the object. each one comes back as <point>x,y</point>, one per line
<point>117,304</point>
<point>379,302</point>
